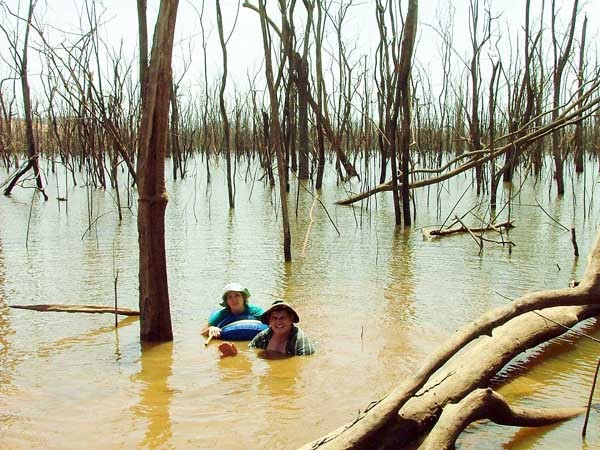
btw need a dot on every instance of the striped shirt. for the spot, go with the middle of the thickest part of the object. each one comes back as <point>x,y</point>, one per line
<point>297,343</point>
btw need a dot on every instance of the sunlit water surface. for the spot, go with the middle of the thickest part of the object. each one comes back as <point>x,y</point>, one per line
<point>376,300</point>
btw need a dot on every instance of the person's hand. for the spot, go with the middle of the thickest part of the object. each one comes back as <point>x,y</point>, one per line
<point>214,332</point>
<point>227,349</point>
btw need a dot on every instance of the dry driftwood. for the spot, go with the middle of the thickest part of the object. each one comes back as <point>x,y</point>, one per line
<point>91,309</point>
<point>399,417</point>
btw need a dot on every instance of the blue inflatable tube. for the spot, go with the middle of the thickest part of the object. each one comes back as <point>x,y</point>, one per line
<point>242,330</point>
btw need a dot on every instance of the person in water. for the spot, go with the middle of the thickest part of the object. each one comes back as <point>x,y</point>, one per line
<point>282,336</point>
<point>235,307</point>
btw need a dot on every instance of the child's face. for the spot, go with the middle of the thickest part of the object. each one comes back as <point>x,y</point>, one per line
<point>235,301</point>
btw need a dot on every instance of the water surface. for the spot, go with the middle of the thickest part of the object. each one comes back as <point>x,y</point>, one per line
<point>377,300</point>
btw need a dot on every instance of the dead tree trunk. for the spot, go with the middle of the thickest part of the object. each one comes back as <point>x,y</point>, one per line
<point>30,140</point>
<point>299,72</point>
<point>302,87</point>
<point>382,111</point>
<point>579,127</point>
<point>275,132</point>
<point>404,71</point>
<point>175,143</point>
<point>521,109</point>
<point>389,106</point>
<point>155,319</point>
<point>226,144</point>
<point>494,178</point>
<point>143,43</point>
<point>560,62</point>
<point>319,31</point>
<point>318,108</point>
<point>474,69</point>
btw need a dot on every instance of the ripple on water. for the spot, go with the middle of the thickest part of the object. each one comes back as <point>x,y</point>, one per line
<point>378,301</point>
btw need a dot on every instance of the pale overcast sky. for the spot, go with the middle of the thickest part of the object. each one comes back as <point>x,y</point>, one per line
<point>245,45</point>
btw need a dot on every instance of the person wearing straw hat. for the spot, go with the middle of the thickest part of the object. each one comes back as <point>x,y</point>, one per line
<point>235,307</point>
<point>282,336</point>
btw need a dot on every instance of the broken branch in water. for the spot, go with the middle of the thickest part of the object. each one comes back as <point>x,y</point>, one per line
<point>90,309</point>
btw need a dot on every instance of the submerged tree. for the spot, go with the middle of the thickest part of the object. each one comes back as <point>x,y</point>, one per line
<point>561,58</point>
<point>21,61</point>
<point>275,131</point>
<point>395,104</point>
<point>474,69</point>
<point>155,315</point>
<point>403,92</point>
<point>580,80</point>
<point>224,119</point>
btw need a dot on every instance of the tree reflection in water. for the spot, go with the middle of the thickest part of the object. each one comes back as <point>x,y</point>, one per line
<point>156,394</point>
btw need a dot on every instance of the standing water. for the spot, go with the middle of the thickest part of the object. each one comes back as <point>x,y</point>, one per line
<point>377,300</point>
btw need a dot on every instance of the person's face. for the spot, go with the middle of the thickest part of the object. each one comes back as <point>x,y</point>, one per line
<point>235,301</point>
<point>280,322</point>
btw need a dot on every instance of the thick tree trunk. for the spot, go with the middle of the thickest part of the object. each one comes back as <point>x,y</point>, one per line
<point>155,320</point>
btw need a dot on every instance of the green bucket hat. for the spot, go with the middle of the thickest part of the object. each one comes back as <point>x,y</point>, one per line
<point>234,287</point>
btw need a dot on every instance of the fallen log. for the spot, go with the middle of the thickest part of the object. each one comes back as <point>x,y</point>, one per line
<point>407,414</point>
<point>381,426</point>
<point>463,229</point>
<point>90,309</point>
<point>488,404</point>
<point>482,360</point>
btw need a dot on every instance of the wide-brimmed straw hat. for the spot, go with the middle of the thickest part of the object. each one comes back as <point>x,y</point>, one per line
<point>234,287</point>
<point>277,306</point>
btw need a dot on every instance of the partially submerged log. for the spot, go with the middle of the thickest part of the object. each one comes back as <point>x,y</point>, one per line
<point>405,414</point>
<point>90,309</point>
<point>481,361</point>
<point>440,232</point>
<point>408,413</point>
<point>488,404</point>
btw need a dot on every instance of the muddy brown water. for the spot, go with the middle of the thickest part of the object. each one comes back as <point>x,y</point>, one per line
<point>378,301</point>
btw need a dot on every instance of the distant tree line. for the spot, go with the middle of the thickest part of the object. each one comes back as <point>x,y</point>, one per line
<point>349,113</point>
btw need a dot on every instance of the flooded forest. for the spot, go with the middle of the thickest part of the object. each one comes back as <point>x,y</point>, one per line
<point>417,179</point>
